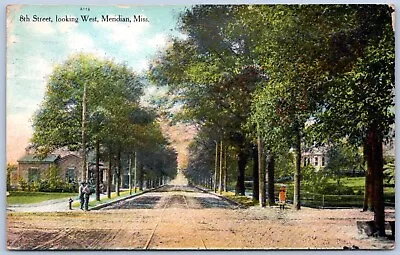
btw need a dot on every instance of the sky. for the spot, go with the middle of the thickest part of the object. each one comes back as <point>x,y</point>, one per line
<point>34,48</point>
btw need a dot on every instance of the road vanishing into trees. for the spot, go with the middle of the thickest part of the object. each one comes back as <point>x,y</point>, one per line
<point>178,216</point>
<point>174,196</point>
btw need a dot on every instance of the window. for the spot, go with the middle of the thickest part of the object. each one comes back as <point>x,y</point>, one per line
<point>70,174</point>
<point>33,174</point>
<point>315,161</point>
<point>323,161</point>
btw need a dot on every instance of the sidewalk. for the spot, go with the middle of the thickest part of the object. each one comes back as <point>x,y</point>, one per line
<point>55,205</point>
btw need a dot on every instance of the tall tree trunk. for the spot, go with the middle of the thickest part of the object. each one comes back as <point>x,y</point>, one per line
<point>375,166</point>
<point>130,174</point>
<point>225,170</point>
<point>242,161</point>
<point>369,187</point>
<point>261,173</point>
<point>256,164</point>
<point>297,176</point>
<point>97,173</point>
<point>271,179</point>
<point>216,166</point>
<point>141,176</point>
<point>119,166</point>
<point>220,168</point>
<point>109,175</point>
<point>84,159</point>
<point>135,173</point>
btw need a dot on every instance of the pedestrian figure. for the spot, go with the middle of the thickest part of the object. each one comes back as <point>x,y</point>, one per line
<point>70,203</point>
<point>81,194</point>
<point>282,198</point>
<point>86,192</point>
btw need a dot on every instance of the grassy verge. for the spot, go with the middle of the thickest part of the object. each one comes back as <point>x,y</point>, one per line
<point>24,197</point>
<point>240,199</point>
<point>94,202</point>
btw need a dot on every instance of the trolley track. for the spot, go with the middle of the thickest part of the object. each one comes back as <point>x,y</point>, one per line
<point>166,205</point>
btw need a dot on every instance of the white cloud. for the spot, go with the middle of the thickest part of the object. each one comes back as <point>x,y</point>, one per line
<point>41,28</point>
<point>78,42</point>
<point>67,27</point>
<point>140,65</point>
<point>129,35</point>
<point>40,70</point>
<point>158,41</point>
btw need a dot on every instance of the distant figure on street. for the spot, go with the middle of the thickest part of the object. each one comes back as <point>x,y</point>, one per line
<point>81,194</point>
<point>282,198</point>
<point>86,192</point>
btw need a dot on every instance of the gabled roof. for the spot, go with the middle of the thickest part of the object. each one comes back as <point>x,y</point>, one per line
<point>36,159</point>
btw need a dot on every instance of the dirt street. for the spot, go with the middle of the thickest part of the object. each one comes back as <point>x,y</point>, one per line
<point>180,217</point>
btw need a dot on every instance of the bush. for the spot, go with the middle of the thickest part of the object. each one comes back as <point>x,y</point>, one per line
<point>10,170</point>
<point>44,186</point>
<point>22,183</point>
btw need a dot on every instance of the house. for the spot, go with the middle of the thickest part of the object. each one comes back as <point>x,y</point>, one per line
<point>32,168</point>
<point>102,172</point>
<point>315,156</point>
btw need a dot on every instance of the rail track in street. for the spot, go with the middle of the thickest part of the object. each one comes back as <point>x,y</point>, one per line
<point>173,197</point>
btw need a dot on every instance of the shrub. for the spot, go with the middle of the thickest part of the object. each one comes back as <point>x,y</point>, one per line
<point>44,186</point>
<point>22,183</point>
<point>10,170</point>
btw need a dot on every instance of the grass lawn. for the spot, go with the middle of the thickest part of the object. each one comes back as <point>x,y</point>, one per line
<point>94,202</point>
<point>240,199</point>
<point>24,197</point>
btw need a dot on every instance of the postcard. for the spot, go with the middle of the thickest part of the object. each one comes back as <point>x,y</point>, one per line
<point>200,127</point>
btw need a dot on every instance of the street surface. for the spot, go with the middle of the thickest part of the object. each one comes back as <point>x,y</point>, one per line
<point>181,217</point>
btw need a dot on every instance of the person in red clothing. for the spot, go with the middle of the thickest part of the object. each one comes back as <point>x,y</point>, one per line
<point>282,197</point>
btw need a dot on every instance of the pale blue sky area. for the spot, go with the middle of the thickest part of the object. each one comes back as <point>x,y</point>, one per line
<point>33,48</point>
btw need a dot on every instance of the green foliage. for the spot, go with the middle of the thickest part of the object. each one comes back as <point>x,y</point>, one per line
<point>343,158</point>
<point>315,181</point>
<point>22,184</point>
<point>11,168</point>
<point>21,197</point>
<point>284,165</point>
<point>52,182</point>
<point>389,170</point>
<point>113,92</point>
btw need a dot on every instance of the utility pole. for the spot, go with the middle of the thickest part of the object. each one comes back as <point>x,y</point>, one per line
<point>130,174</point>
<point>216,166</point>
<point>261,172</point>
<point>220,168</point>
<point>84,167</point>
<point>135,174</point>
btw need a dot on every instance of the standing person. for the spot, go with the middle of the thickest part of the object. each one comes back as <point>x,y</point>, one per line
<point>282,197</point>
<point>86,191</point>
<point>81,194</point>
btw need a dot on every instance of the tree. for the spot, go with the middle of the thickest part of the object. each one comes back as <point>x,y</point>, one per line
<point>11,168</point>
<point>359,103</point>
<point>86,100</point>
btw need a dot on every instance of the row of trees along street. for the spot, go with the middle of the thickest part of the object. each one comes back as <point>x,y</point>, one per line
<point>260,81</point>
<point>94,105</point>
